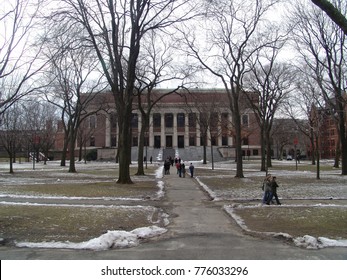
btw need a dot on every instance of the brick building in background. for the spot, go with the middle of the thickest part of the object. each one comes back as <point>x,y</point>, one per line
<point>177,127</point>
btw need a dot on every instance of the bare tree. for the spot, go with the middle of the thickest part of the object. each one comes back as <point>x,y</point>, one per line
<point>39,119</point>
<point>270,83</point>
<point>156,67</point>
<point>323,49</point>
<point>233,29</point>
<point>85,132</point>
<point>73,87</point>
<point>206,114</point>
<point>305,97</point>
<point>115,31</point>
<point>11,130</point>
<point>19,56</point>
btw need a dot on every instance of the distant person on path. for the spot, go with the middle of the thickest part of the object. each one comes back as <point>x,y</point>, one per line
<point>150,159</point>
<point>167,167</point>
<point>178,167</point>
<point>191,170</point>
<point>183,169</point>
<point>266,188</point>
<point>273,193</point>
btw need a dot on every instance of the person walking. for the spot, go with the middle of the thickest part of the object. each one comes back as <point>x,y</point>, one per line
<point>183,169</point>
<point>266,188</point>
<point>191,170</point>
<point>178,167</point>
<point>273,193</point>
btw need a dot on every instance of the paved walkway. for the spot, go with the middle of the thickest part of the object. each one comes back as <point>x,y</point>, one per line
<point>199,229</point>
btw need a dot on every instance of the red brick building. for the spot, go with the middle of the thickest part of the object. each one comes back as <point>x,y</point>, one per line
<point>180,122</point>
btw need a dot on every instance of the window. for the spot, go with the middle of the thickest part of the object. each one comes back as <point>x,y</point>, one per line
<point>146,141</point>
<point>214,140</point>
<point>92,122</point>
<point>156,120</point>
<point>180,141</point>
<point>245,120</point>
<point>169,120</point>
<point>192,120</point>
<point>192,140</point>
<point>157,142</point>
<point>113,120</point>
<point>203,141</point>
<point>135,141</point>
<point>255,153</point>
<point>225,121</point>
<point>214,119</point>
<point>113,140</point>
<point>92,141</point>
<point>180,120</point>
<point>225,140</point>
<point>134,121</point>
<point>204,121</point>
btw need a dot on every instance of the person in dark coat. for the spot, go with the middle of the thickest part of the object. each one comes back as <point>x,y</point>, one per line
<point>267,188</point>
<point>183,170</point>
<point>273,193</point>
<point>191,170</point>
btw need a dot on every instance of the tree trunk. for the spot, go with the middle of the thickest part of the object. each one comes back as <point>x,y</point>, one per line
<point>140,157</point>
<point>204,152</point>
<point>343,141</point>
<point>80,151</point>
<point>11,163</point>
<point>313,153</point>
<point>212,157</point>
<point>64,152</point>
<point>268,150</point>
<point>318,158</point>
<point>337,154</point>
<point>263,153</point>
<point>238,142</point>
<point>124,146</point>
<point>72,166</point>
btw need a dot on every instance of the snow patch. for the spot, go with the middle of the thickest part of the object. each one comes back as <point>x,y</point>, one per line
<point>311,242</point>
<point>109,240</point>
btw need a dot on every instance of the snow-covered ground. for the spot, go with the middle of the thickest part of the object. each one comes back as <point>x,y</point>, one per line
<point>111,239</point>
<point>336,189</point>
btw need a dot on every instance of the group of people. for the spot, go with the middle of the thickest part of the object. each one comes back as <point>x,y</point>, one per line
<point>180,166</point>
<point>270,190</point>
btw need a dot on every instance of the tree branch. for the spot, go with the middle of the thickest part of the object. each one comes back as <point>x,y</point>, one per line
<point>333,13</point>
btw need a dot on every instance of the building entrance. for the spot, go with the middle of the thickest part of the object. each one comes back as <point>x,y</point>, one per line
<point>157,143</point>
<point>168,141</point>
<point>180,141</point>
